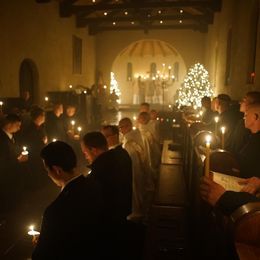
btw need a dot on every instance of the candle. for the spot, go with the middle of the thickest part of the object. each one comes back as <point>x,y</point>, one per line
<point>1,106</point>
<point>54,139</point>
<point>25,152</point>
<point>79,129</point>
<point>223,129</point>
<point>70,86</point>
<point>46,99</point>
<point>33,232</point>
<point>208,140</point>
<point>134,117</point>
<point>134,127</point>
<point>72,124</point>
<point>216,124</point>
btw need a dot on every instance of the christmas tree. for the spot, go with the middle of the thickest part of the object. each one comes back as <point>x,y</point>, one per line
<point>196,85</point>
<point>114,85</point>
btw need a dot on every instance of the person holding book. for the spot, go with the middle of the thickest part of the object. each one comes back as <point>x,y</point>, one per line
<point>228,201</point>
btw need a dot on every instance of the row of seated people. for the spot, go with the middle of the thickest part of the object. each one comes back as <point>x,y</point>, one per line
<point>242,132</point>
<point>127,179</point>
<point>242,140</point>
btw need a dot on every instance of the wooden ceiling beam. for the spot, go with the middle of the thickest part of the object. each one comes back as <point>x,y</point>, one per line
<point>82,22</point>
<point>211,4</point>
<point>93,29</point>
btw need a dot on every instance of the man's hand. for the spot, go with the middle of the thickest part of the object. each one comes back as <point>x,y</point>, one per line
<point>210,191</point>
<point>252,185</point>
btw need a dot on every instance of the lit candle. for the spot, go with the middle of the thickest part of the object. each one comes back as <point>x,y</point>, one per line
<point>25,152</point>
<point>134,117</point>
<point>216,124</point>
<point>134,128</point>
<point>70,86</point>
<point>54,139</point>
<point>201,113</point>
<point>1,105</point>
<point>223,129</point>
<point>79,129</point>
<point>33,232</point>
<point>72,124</point>
<point>46,99</point>
<point>208,140</point>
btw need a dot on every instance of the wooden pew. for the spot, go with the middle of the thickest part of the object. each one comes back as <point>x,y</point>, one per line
<point>246,231</point>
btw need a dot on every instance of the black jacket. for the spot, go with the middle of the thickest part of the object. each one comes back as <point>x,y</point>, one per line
<point>72,224</point>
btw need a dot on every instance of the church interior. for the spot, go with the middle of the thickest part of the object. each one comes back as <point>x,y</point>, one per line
<point>156,103</point>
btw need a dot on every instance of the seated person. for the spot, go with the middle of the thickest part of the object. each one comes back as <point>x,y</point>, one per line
<point>248,156</point>
<point>228,201</point>
<point>208,114</point>
<point>241,134</point>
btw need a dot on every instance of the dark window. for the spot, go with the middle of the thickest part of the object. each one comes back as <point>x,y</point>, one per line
<point>129,71</point>
<point>228,58</point>
<point>253,28</point>
<point>77,55</point>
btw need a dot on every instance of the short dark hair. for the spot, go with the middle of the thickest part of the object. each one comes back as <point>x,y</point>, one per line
<point>224,97</point>
<point>59,154</point>
<point>112,128</point>
<point>95,140</point>
<point>36,112</point>
<point>11,118</point>
<point>145,104</point>
<point>254,96</point>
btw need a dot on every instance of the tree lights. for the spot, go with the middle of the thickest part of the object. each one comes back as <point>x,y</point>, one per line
<point>196,85</point>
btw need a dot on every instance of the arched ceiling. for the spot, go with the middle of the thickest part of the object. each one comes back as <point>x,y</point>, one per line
<point>108,15</point>
<point>149,48</point>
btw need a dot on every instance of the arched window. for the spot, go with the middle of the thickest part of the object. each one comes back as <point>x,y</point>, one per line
<point>129,71</point>
<point>153,70</point>
<point>253,29</point>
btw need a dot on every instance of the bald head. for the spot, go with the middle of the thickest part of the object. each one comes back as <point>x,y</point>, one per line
<point>125,125</point>
<point>252,117</point>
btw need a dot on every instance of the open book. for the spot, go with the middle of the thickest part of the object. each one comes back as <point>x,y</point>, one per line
<point>227,181</point>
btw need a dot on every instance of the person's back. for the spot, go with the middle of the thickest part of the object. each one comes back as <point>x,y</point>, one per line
<point>72,225</point>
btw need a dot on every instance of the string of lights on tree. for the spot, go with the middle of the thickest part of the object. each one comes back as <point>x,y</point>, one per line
<point>114,86</point>
<point>196,85</point>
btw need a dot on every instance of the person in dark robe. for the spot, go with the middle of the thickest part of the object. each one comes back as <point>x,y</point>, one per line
<point>11,157</point>
<point>54,124</point>
<point>107,167</point>
<point>72,225</point>
<point>35,138</point>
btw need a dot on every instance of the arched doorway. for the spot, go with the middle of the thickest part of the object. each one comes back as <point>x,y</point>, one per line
<point>29,79</point>
<point>149,70</point>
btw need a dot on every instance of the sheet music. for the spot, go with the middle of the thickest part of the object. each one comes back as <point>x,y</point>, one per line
<point>228,182</point>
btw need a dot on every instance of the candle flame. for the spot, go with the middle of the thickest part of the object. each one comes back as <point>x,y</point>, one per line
<point>208,139</point>
<point>216,119</point>
<point>72,122</point>
<point>24,148</point>
<point>223,129</point>
<point>79,128</point>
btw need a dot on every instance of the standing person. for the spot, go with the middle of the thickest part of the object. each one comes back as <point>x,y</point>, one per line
<point>54,124</point>
<point>133,143</point>
<point>107,167</point>
<point>72,224</point>
<point>35,138</point>
<point>10,162</point>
